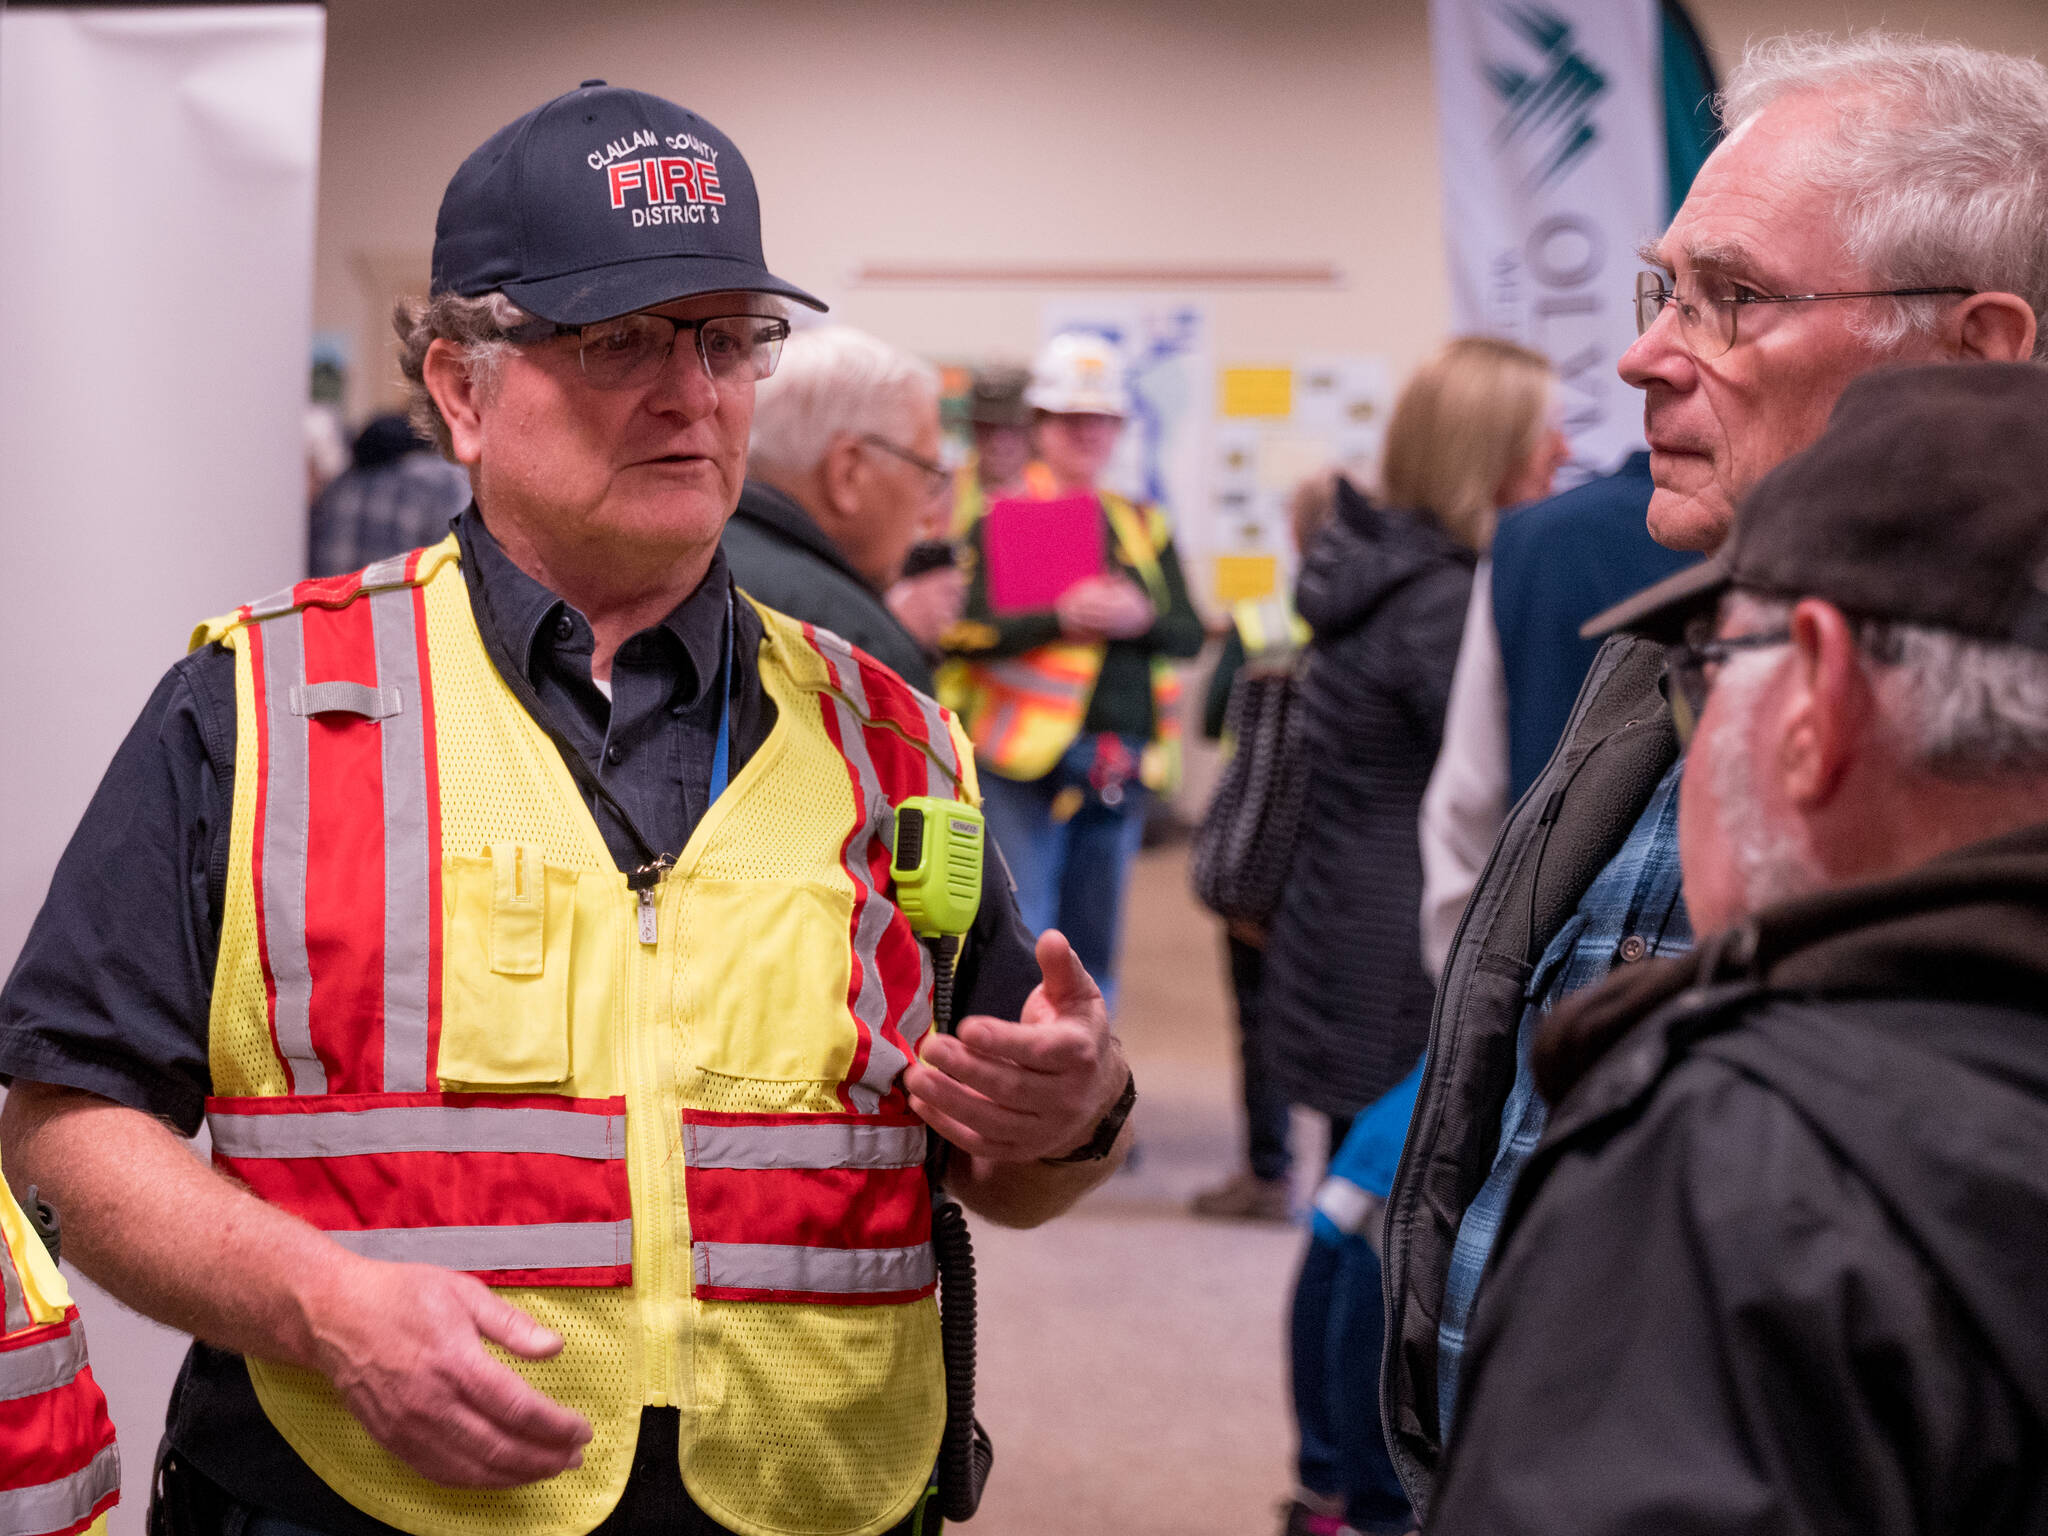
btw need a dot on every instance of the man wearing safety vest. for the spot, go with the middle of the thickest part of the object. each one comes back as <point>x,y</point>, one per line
<point>59,1470</point>
<point>522,917</point>
<point>1074,708</point>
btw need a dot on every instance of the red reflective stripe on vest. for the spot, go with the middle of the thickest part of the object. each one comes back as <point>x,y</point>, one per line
<point>495,1184</point>
<point>348,813</point>
<point>811,1207</point>
<point>344,892</point>
<point>58,1466</point>
<point>823,1208</point>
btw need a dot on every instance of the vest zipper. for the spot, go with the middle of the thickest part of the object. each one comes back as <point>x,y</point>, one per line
<point>656,1118</point>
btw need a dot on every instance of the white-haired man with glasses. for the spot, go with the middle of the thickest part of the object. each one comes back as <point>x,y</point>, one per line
<point>1877,201</point>
<point>843,476</point>
<point>1775,1265</point>
<point>521,916</point>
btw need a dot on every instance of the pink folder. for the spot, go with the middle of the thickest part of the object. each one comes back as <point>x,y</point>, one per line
<point>1037,549</point>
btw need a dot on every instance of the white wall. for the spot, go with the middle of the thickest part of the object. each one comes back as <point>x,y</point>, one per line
<point>1144,132</point>
<point>156,233</point>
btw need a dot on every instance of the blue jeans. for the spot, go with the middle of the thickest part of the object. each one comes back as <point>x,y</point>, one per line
<point>1337,1331</point>
<point>1070,874</point>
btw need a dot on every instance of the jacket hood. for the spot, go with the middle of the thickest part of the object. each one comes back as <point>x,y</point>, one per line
<point>1969,926</point>
<point>1363,558</point>
<point>781,513</point>
<point>1907,1022</point>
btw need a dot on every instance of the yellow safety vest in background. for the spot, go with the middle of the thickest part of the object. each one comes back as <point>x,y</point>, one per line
<point>1023,712</point>
<point>1269,629</point>
<point>668,1124</point>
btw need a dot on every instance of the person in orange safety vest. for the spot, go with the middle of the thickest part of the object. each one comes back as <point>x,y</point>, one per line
<point>1073,707</point>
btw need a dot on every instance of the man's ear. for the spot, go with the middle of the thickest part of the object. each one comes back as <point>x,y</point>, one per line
<point>449,381</point>
<point>1993,328</point>
<point>1828,706</point>
<point>841,474</point>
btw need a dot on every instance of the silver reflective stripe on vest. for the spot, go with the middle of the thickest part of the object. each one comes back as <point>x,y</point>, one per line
<point>845,667</point>
<point>407,858</point>
<point>38,1368</point>
<point>870,999</point>
<point>1024,679</point>
<point>389,572</point>
<point>58,1505</point>
<point>274,605</point>
<point>942,765</point>
<point>828,1271</point>
<point>542,1245</point>
<point>14,1309</point>
<point>829,1144</point>
<point>345,698</point>
<point>285,812</point>
<point>419,1128</point>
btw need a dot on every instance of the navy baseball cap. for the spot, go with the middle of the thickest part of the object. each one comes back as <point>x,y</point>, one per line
<point>601,202</point>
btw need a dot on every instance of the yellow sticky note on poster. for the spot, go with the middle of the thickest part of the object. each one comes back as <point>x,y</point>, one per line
<point>1245,578</point>
<point>1258,391</point>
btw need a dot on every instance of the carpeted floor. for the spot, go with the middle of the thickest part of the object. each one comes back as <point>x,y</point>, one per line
<point>1132,1358</point>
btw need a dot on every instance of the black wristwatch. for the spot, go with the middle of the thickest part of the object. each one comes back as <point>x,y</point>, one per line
<point>1107,1129</point>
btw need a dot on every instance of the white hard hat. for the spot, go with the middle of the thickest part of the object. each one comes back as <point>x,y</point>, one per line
<point>1079,372</point>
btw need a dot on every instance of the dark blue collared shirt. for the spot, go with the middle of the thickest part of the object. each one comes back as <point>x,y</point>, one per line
<point>112,990</point>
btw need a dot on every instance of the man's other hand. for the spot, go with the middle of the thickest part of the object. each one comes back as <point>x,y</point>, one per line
<point>1111,607</point>
<point>403,1344</point>
<point>1016,1092</point>
<point>930,604</point>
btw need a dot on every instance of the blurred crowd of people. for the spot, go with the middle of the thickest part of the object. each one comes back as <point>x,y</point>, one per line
<point>1740,1236</point>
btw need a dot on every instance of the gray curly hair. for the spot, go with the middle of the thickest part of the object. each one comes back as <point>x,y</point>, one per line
<point>481,328</point>
<point>1938,165</point>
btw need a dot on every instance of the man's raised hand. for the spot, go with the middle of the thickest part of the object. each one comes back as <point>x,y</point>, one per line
<point>1036,1087</point>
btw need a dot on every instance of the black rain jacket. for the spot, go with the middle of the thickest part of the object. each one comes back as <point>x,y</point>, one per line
<point>1780,1263</point>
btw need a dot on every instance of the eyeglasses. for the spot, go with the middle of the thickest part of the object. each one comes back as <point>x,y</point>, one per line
<point>1685,665</point>
<point>632,350</point>
<point>1709,302</point>
<point>937,477</point>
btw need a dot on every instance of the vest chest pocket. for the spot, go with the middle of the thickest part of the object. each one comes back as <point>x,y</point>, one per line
<point>508,983</point>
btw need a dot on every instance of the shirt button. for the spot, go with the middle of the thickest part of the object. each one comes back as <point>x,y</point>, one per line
<point>565,627</point>
<point>615,754</point>
<point>1632,949</point>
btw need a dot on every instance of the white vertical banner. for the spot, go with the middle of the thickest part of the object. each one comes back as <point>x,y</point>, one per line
<point>1552,122</point>
<point>157,179</point>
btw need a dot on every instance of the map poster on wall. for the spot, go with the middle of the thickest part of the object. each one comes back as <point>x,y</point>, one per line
<point>1277,427</point>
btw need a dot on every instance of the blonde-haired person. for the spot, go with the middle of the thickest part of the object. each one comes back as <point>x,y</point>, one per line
<point>1344,1000</point>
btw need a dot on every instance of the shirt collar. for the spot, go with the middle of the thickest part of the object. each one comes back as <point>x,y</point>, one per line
<point>522,611</point>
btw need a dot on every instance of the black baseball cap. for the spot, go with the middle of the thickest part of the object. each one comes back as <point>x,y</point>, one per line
<point>601,202</point>
<point>1925,501</point>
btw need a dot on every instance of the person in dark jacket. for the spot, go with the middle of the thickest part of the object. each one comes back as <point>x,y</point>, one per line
<point>843,477</point>
<point>1818,242</point>
<point>1344,1000</point>
<point>1776,1265</point>
<point>396,495</point>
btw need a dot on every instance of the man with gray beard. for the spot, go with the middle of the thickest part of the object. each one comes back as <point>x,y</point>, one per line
<point>1877,201</point>
<point>1776,1265</point>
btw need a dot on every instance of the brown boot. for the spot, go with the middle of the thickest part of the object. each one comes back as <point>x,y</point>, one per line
<point>1245,1197</point>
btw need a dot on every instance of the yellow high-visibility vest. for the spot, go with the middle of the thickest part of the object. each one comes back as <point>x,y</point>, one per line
<point>1023,712</point>
<point>667,1123</point>
<point>59,1469</point>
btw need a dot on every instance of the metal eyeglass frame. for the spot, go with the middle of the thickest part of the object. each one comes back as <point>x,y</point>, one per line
<point>1686,663</point>
<point>935,473</point>
<point>1650,286</point>
<point>780,328</point>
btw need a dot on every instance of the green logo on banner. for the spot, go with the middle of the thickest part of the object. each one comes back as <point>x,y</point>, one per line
<point>1548,104</point>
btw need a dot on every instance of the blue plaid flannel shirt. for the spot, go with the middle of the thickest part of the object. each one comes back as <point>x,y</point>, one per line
<point>1631,911</point>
